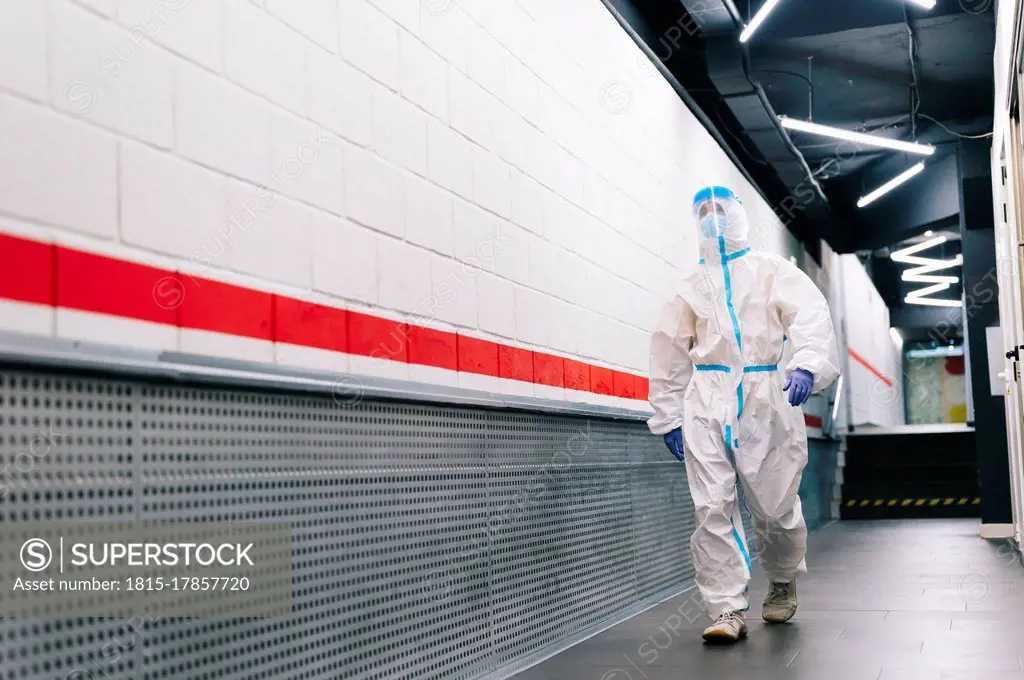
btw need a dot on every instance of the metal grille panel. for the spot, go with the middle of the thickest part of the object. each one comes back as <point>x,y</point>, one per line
<point>430,541</point>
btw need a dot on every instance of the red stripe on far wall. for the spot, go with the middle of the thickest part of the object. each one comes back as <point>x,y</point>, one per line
<point>813,421</point>
<point>58,276</point>
<point>864,362</point>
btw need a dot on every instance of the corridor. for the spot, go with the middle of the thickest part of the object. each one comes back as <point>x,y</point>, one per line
<point>883,600</point>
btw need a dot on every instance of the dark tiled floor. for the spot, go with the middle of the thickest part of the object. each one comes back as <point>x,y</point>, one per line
<point>883,600</point>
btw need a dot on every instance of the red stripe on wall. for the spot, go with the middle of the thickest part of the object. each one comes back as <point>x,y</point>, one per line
<point>548,370</point>
<point>864,362</point>
<point>577,375</point>
<point>429,347</point>
<point>602,380</point>
<point>210,305</point>
<point>380,338</point>
<point>624,385</point>
<point>643,386</point>
<point>40,273</point>
<point>95,283</point>
<point>515,363</point>
<point>26,270</point>
<point>477,356</point>
<point>311,325</point>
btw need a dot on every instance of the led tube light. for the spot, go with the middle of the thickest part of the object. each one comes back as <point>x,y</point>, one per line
<point>839,398</point>
<point>927,4</point>
<point>922,274</point>
<point>858,137</point>
<point>916,298</point>
<point>904,255</point>
<point>896,181</point>
<point>758,19</point>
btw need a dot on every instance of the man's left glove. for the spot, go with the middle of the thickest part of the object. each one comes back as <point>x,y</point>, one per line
<point>674,442</point>
<point>799,383</point>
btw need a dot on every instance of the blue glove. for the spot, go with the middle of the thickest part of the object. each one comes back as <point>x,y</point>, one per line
<point>799,383</point>
<point>674,442</point>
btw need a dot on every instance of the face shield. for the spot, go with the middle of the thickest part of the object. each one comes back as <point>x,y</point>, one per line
<point>718,212</point>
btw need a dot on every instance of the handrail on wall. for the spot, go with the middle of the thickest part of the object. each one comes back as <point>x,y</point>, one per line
<point>30,350</point>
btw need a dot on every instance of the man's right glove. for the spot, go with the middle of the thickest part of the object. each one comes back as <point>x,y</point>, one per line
<point>674,442</point>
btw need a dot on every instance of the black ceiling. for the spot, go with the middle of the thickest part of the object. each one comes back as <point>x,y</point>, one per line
<point>861,75</point>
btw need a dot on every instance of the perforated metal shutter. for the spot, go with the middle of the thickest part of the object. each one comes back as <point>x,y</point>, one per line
<point>430,541</point>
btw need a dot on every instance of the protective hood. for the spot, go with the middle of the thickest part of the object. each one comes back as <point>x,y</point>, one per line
<point>721,222</point>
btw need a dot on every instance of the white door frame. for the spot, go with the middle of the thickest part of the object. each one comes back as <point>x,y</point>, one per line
<point>1009,192</point>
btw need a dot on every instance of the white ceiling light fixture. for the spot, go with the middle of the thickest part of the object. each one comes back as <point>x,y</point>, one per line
<point>758,19</point>
<point>927,4</point>
<point>856,137</point>
<point>899,179</point>
<point>923,274</point>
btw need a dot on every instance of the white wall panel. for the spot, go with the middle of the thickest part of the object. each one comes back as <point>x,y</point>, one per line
<point>875,375</point>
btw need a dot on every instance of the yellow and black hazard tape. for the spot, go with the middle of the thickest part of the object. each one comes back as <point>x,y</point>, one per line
<point>910,502</point>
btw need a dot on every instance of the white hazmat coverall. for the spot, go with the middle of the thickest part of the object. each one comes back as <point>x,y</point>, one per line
<point>714,372</point>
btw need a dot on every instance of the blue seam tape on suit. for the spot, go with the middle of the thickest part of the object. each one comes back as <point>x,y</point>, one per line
<point>720,368</point>
<point>713,367</point>
<point>728,292</point>
<point>737,254</point>
<point>761,369</point>
<point>739,543</point>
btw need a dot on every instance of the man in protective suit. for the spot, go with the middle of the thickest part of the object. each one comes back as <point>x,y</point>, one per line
<point>729,410</point>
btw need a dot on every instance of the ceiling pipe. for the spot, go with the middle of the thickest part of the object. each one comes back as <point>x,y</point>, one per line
<point>763,98</point>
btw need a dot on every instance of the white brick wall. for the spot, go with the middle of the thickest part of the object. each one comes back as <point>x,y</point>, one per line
<point>399,131</point>
<point>344,259</point>
<point>413,146</point>
<point>404,276</point>
<point>153,215</point>
<point>315,19</point>
<point>23,47</point>
<point>264,55</point>
<point>271,240</point>
<point>429,215</point>
<point>133,92</point>
<point>424,77</point>
<point>220,125</point>
<point>57,170</point>
<point>192,30</point>
<point>340,97</point>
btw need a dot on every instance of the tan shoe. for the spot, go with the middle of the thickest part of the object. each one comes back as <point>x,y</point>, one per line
<point>780,604</point>
<point>727,628</point>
